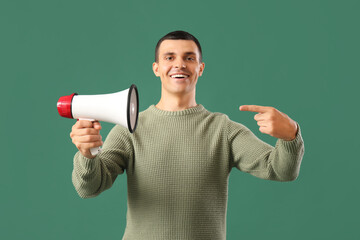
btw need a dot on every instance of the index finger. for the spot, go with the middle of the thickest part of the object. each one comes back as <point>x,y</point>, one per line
<point>97,125</point>
<point>84,124</point>
<point>254,108</point>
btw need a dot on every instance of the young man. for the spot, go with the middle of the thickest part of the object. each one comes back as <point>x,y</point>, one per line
<point>179,159</point>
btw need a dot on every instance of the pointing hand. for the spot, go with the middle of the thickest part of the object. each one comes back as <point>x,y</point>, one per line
<point>273,122</point>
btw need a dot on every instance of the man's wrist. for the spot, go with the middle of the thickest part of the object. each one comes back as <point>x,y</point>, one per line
<point>296,132</point>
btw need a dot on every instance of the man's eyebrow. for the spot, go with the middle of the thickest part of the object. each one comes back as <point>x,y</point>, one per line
<point>169,53</point>
<point>172,53</point>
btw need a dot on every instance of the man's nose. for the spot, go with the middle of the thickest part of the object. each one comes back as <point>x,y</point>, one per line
<point>180,63</point>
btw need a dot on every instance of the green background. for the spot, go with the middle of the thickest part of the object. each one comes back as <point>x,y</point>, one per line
<point>301,57</point>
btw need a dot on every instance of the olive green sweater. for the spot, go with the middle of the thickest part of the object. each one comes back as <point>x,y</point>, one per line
<point>178,165</point>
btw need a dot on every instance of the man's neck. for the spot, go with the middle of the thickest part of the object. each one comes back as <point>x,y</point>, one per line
<point>169,102</point>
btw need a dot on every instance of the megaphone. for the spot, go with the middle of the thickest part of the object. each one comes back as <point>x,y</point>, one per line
<point>120,108</point>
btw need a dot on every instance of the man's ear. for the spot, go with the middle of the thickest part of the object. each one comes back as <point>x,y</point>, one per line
<point>155,67</point>
<point>202,66</point>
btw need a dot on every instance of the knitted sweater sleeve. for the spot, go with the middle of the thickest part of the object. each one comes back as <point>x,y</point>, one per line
<point>90,177</point>
<point>250,154</point>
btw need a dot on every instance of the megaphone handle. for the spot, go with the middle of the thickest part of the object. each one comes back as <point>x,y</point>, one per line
<point>94,151</point>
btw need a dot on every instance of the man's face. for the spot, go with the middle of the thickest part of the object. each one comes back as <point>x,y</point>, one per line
<point>178,66</point>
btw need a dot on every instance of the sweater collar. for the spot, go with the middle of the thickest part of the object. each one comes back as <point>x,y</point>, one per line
<point>196,109</point>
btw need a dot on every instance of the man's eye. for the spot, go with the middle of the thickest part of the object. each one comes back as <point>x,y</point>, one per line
<point>190,59</point>
<point>169,58</point>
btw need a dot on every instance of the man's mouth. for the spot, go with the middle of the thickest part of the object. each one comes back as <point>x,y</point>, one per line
<point>179,76</point>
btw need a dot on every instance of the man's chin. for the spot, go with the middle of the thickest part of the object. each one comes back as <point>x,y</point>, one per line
<point>179,90</point>
<point>180,81</point>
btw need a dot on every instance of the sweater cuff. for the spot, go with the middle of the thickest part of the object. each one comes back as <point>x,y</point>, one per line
<point>86,163</point>
<point>295,145</point>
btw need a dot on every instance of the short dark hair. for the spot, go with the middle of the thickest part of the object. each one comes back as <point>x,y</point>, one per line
<point>177,35</point>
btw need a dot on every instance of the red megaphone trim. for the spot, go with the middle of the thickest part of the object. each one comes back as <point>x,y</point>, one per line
<point>64,105</point>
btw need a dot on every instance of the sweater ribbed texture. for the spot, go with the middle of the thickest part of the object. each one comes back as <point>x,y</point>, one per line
<point>178,165</point>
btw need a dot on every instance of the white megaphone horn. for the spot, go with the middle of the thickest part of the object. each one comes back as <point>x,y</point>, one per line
<point>120,108</point>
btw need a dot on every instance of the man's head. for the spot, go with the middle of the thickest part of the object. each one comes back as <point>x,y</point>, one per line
<point>177,35</point>
<point>178,62</point>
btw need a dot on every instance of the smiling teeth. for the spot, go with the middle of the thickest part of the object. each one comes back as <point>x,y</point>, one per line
<point>179,75</point>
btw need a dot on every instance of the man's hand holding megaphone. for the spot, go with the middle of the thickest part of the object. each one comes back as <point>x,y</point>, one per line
<point>86,135</point>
